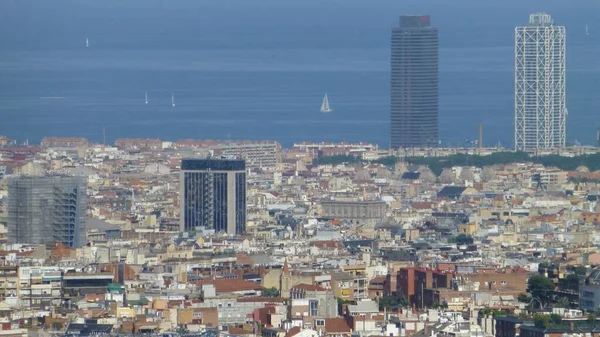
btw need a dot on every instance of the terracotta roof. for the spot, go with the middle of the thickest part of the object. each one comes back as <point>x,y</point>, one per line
<point>328,244</point>
<point>231,285</point>
<point>293,331</point>
<point>378,279</point>
<point>261,299</point>
<point>244,259</point>
<point>336,325</point>
<point>308,287</point>
<point>238,331</point>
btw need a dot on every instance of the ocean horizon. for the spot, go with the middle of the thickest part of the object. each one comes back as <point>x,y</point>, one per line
<point>259,70</point>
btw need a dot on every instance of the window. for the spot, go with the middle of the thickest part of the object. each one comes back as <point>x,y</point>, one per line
<point>313,307</point>
<point>319,322</point>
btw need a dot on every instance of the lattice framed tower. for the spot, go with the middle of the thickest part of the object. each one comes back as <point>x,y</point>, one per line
<point>540,84</point>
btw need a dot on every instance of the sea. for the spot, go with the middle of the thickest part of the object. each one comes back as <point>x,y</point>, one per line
<point>258,69</point>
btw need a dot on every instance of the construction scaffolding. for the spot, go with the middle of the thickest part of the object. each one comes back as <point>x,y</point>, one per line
<point>540,77</point>
<point>47,210</point>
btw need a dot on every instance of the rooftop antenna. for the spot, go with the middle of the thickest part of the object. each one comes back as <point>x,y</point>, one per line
<point>103,136</point>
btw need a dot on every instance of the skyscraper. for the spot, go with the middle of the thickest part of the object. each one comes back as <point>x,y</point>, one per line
<point>47,210</point>
<point>414,83</point>
<point>213,195</point>
<point>540,102</point>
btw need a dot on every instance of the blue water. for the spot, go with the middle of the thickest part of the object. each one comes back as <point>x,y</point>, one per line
<point>258,69</point>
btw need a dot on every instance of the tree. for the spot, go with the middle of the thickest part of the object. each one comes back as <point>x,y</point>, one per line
<point>463,239</point>
<point>563,302</point>
<point>555,319</point>
<point>541,321</point>
<point>540,287</point>
<point>270,292</point>
<point>392,302</point>
<point>524,298</point>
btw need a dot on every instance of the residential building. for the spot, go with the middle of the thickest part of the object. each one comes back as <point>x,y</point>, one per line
<point>366,213</point>
<point>47,210</point>
<point>589,297</point>
<point>263,155</point>
<point>213,193</point>
<point>414,83</point>
<point>64,142</point>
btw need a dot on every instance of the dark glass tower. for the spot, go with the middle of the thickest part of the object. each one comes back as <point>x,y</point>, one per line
<point>213,195</point>
<point>414,83</point>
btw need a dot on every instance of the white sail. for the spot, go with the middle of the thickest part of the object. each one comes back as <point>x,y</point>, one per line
<point>325,106</point>
<point>587,31</point>
<point>87,42</point>
<point>146,97</point>
<point>172,99</point>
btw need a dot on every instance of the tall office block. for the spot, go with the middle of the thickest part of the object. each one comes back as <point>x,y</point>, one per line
<point>414,83</point>
<point>213,195</point>
<point>47,210</point>
<point>540,101</point>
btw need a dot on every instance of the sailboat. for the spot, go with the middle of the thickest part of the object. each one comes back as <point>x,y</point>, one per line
<point>146,97</point>
<point>587,31</point>
<point>325,106</point>
<point>87,42</point>
<point>172,99</point>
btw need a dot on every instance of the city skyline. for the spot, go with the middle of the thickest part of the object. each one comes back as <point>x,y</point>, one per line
<point>476,81</point>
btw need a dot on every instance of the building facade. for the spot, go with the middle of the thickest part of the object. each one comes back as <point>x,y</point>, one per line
<point>414,83</point>
<point>540,78</point>
<point>366,213</point>
<point>47,210</point>
<point>213,195</point>
<point>263,155</point>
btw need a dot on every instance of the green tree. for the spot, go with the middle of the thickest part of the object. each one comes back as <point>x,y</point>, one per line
<point>581,270</point>
<point>563,302</point>
<point>270,292</point>
<point>555,319</point>
<point>540,287</point>
<point>541,321</point>
<point>463,239</point>
<point>392,302</point>
<point>524,298</point>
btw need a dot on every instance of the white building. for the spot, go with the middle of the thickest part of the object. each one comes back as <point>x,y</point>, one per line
<point>540,102</point>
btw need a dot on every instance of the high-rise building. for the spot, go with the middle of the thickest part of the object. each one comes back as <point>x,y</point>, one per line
<point>47,210</point>
<point>414,83</point>
<point>213,195</point>
<point>540,101</point>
